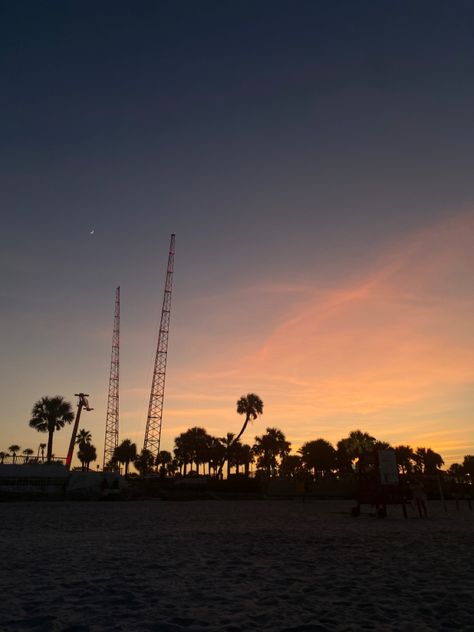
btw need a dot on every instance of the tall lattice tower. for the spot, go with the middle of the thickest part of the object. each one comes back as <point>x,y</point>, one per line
<point>112,421</point>
<point>157,394</point>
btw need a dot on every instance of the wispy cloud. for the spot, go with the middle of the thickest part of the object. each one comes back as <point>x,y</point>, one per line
<point>395,340</point>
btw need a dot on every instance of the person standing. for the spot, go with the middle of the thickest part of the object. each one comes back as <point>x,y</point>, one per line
<point>419,496</point>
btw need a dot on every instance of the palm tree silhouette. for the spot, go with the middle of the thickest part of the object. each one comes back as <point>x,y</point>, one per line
<point>14,449</point>
<point>193,446</point>
<point>125,453</point>
<point>144,462</point>
<point>240,456</point>
<point>318,456</point>
<point>217,454</point>
<point>290,465</point>
<point>229,444</point>
<point>405,457</point>
<point>358,446</point>
<point>198,441</point>
<point>86,454</point>
<point>456,470</point>
<point>427,461</point>
<point>2,457</point>
<point>270,448</point>
<point>245,457</point>
<point>251,406</point>
<point>163,460</point>
<point>182,452</point>
<point>27,452</point>
<point>50,414</point>
<point>83,437</point>
<point>468,465</point>
<point>41,449</point>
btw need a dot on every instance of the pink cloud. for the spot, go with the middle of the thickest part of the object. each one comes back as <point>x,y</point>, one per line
<point>394,340</point>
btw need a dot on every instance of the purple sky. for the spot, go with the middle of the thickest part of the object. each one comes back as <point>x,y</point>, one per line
<point>296,149</point>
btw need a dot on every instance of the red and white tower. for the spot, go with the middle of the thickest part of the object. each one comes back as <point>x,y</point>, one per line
<point>112,421</point>
<point>157,394</point>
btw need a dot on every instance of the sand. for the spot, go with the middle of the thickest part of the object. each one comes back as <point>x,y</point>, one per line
<point>232,565</point>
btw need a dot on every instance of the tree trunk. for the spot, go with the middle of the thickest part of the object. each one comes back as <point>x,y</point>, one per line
<point>247,417</point>
<point>50,445</point>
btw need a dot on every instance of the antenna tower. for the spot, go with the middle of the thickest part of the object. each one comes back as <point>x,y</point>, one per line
<point>157,394</point>
<point>112,421</point>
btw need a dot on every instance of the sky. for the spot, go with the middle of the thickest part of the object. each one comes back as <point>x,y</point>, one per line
<point>314,159</point>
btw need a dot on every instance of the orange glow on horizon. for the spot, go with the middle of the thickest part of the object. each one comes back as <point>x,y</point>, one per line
<point>391,353</point>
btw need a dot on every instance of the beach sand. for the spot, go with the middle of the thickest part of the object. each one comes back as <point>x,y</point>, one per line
<point>232,565</point>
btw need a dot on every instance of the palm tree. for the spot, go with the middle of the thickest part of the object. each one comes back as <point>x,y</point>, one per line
<point>358,446</point>
<point>41,448</point>
<point>251,406</point>
<point>246,457</point>
<point>14,449</point>
<point>163,460</point>
<point>229,444</point>
<point>183,452</point>
<point>27,452</point>
<point>432,462</point>
<point>319,456</point>
<point>217,454</point>
<point>50,414</point>
<point>144,462</point>
<point>241,455</point>
<point>125,453</point>
<point>405,457</point>
<point>83,437</point>
<point>468,465</point>
<point>192,446</point>
<point>427,461</point>
<point>86,454</point>
<point>199,444</point>
<point>382,445</point>
<point>270,448</point>
<point>290,465</point>
<point>172,467</point>
<point>112,464</point>
<point>456,470</point>
<point>2,457</point>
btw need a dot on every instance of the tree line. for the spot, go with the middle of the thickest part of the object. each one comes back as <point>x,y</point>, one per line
<point>196,451</point>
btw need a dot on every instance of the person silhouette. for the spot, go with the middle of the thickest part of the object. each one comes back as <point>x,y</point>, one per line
<point>419,496</point>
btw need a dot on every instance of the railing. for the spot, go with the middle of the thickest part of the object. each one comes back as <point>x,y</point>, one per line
<point>21,459</point>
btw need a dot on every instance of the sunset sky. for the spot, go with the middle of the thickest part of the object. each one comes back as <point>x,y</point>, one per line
<point>315,160</point>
